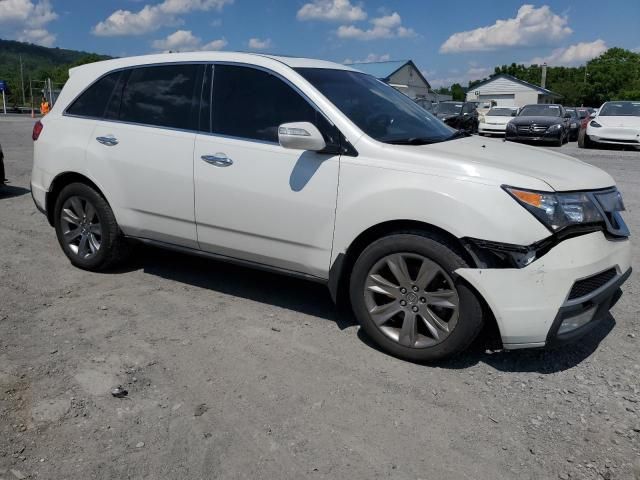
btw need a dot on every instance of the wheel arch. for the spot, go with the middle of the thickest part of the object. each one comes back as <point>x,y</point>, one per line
<point>61,181</point>
<point>341,268</point>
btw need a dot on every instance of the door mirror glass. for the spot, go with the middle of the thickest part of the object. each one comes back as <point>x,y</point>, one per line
<point>301,136</point>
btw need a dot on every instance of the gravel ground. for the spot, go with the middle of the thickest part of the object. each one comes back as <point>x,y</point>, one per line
<point>234,373</point>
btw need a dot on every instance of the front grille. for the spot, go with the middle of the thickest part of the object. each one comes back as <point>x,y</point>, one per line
<point>534,130</point>
<point>587,285</point>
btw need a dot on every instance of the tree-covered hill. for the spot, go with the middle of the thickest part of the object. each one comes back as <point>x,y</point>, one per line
<point>38,63</point>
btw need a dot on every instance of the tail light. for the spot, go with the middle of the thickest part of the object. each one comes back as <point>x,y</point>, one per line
<point>37,130</point>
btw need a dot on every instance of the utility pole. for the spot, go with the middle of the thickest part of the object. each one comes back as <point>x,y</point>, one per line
<point>22,81</point>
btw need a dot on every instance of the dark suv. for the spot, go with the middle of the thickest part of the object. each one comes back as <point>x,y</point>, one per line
<point>459,115</point>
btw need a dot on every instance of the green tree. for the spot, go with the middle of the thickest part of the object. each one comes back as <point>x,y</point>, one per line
<point>457,92</point>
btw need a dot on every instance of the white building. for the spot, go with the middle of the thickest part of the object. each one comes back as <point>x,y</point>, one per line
<point>404,76</point>
<point>508,91</point>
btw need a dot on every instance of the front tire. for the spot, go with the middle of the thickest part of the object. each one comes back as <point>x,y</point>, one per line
<point>87,229</point>
<point>406,296</point>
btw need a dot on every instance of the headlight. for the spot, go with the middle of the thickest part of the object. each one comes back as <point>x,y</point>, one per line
<point>555,127</point>
<point>595,124</point>
<point>557,210</point>
<point>511,126</point>
<point>481,118</point>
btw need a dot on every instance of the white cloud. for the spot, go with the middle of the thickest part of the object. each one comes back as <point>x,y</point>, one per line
<point>258,44</point>
<point>530,27</point>
<point>185,40</point>
<point>371,58</point>
<point>152,17</point>
<point>389,26</point>
<point>331,10</point>
<point>25,21</point>
<point>474,72</point>
<point>573,54</point>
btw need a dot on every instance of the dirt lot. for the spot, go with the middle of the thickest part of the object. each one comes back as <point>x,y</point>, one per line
<point>234,373</point>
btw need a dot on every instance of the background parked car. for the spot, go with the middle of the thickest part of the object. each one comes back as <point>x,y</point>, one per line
<point>545,123</point>
<point>574,125</point>
<point>459,115</point>
<point>616,123</point>
<point>494,122</point>
<point>483,107</point>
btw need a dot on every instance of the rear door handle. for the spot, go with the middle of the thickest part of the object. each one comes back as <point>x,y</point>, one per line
<point>218,160</point>
<point>109,140</point>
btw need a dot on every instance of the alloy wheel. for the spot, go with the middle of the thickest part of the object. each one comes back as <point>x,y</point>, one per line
<point>81,228</point>
<point>411,299</point>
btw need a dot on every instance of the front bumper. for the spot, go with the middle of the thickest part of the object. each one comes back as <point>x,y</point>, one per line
<point>527,302</point>
<point>616,136</point>
<point>492,128</point>
<point>542,137</point>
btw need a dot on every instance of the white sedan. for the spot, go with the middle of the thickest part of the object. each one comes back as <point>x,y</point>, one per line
<point>495,121</point>
<point>614,123</point>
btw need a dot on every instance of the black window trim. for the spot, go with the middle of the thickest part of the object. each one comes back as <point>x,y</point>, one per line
<point>347,149</point>
<point>124,122</point>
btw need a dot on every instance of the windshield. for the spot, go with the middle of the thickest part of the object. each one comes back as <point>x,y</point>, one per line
<point>571,112</point>
<point>377,109</point>
<point>448,108</point>
<point>620,109</point>
<point>540,111</point>
<point>502,112</point>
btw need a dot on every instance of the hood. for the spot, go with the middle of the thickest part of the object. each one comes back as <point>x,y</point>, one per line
<point>494,161</point>
<point>497,119</point>
<point>542,121</point>
<point>619,121</point>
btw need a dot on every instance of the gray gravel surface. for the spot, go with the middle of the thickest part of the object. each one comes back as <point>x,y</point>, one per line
<point>234,373</point>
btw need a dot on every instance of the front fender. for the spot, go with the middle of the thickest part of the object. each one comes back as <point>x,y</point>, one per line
<point>369,196</point>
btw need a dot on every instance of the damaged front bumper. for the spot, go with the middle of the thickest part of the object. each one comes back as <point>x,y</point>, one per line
<point>558,297</point>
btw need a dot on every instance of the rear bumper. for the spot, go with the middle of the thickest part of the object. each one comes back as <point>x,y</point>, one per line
<point>529,302</point>
<point>39,196</point>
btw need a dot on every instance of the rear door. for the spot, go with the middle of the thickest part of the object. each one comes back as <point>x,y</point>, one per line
<point>254,199</point>
<point>142,152</point>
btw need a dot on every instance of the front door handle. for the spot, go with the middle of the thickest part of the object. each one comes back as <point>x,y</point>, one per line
<point>109,140</point>
<point>219,160</point>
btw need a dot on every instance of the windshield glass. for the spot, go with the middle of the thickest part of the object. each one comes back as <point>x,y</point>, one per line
<point>571,112</point>
<point>540,111</point>
<point>620,109</point>
<point>448,108</point>
<point>377,109</point>
<point>502,112</point>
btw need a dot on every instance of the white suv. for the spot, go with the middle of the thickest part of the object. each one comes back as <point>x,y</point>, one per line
<point>314,169</point>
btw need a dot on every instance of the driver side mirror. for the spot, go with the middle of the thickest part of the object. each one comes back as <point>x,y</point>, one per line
<point>301,136</point>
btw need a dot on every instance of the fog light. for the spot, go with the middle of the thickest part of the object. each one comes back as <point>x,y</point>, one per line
<point>578,321</point>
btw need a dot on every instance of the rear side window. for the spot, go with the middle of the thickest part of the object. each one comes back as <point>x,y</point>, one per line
<point>93,101</point>
<point>251,103</point>
<point>163,96</point>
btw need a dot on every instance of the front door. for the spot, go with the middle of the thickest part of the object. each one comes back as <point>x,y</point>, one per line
<point>255,200</point>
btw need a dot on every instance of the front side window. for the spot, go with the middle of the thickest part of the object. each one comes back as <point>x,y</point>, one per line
<point>93,101</point>
<point>540,111</point>
<point>377,109</point>
<point>251,103</point>
<point>163,96</point>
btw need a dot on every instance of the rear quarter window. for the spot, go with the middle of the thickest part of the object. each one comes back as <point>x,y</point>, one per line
<point>93,101</point>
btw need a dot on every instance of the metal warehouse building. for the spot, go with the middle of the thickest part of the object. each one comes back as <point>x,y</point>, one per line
<point>509,91</point>
<point>404,76</point>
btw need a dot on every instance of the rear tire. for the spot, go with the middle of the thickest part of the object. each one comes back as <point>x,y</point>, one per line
<point>432,313</point>
<point>87,229</point>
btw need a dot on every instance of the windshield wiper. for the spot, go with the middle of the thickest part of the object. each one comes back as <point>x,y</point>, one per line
<point>458,134</point>
<point>411,141</point>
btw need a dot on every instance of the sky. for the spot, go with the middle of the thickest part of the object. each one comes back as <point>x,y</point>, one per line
<point>450,41</point>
